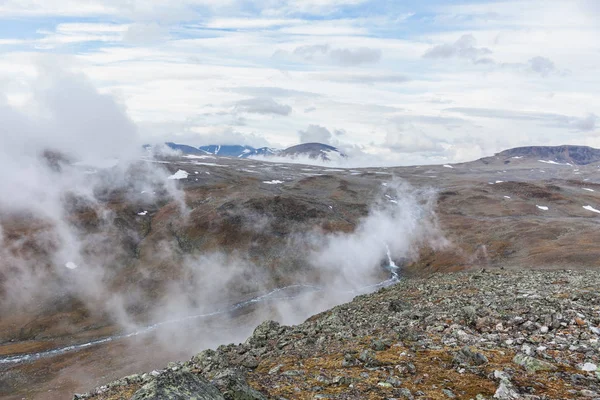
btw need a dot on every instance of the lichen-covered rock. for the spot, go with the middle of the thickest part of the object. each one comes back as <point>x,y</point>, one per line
<point>506,390</point>
<point>233,385</point>
<point>262,333</point>
<point>178,385</point>
<point>532,364</point>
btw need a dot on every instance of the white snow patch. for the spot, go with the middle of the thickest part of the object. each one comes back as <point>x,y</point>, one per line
<point>499,181</point>
<point>554,162</point>
<point>517,157</point>
<point>507,197</point>
<point>589,190</point>
<point>542,207</point>
<point>180,174</point>
<point>448,166</point>
<point>142,213</point>
<point>592,209</point>
<point>71,265</point>
<point>273,182</point>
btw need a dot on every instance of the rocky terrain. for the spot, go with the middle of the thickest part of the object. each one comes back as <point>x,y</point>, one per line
<point>502,334</point>
<point>257,219</point>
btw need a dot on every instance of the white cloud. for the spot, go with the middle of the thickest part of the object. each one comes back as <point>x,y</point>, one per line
<point>341,70</point>
<point>262,105</point>
<point>324,53</point>
<point>464,47</point>
<point>542,65</point>
<point>315,134</point>
<point>145,33</point>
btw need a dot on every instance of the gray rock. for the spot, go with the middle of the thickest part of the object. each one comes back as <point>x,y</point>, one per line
<point>262,333</point>
<point>532,364</point>
<point>379,345</point>
<point>293,372</point>
<point>233,385</point>
<point>449,393</point>
<point>468,357</point>
<point>178,385</point>
<point>398,305</point>
<point>394,381</point>
<point>506,390</point>
<point>470,315</point>
<point>406,394</point>
<point>368,357</point>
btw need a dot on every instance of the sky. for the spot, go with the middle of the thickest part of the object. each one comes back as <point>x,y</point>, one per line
<point>403,82</point>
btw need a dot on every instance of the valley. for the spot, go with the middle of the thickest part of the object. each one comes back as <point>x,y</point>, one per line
<point>196,262</point>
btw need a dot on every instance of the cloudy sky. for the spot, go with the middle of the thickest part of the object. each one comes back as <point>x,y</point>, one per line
<point>416,81</point>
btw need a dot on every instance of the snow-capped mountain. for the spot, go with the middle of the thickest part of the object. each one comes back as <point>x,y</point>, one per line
<point>313,151</point>
<point>310,150</point>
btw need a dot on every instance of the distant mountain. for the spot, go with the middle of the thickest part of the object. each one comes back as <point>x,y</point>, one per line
<point>577,155</point>
<point>228,150</point>
<point>185,149</point>
<point>313,151</point>
<point>237,151</point>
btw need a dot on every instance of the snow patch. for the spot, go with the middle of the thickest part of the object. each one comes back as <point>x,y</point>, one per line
<point>592,209</point>
<point>71,265</point>
<point>448,166</point>
<point>507,197</point>
<point>554,162</point>
<point>274,182</point>
<point>180,174</point>
<point>589,190</point>
<point>143,213</point>
<point>544,208</point>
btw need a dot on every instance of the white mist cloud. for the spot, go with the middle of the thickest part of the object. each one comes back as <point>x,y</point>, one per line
<point>315,134</point>
<point>402,220</point>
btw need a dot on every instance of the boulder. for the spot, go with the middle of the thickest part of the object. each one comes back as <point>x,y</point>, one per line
<point>178,385</point>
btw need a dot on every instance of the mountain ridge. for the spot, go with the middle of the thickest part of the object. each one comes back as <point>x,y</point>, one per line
<point>567,154</point>
<point>311,150</point>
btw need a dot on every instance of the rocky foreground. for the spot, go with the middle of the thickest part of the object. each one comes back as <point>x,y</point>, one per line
<point>491,334</point>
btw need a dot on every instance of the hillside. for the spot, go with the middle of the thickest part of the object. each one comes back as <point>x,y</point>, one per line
<point>567,154</point>
<point>483,335</point>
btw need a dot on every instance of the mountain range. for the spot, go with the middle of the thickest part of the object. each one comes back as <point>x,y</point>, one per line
<point>310,150</point>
